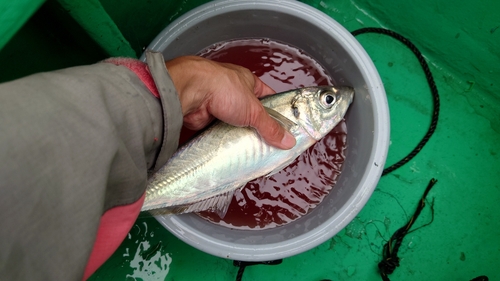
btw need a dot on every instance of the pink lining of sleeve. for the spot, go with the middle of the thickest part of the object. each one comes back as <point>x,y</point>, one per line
<point>114,226</point>
<point>140,69</point>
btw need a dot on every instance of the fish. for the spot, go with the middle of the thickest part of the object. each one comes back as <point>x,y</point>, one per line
<point>204,173</point>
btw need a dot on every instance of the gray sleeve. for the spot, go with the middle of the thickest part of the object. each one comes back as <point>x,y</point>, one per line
<point>73,143</point>
<point>171,107</point>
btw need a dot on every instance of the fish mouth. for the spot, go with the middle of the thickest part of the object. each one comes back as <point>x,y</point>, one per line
<point>346,91</point>
<point>351,95</point>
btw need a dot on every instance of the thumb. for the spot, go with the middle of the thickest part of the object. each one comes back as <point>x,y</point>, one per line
<point>272,132</point>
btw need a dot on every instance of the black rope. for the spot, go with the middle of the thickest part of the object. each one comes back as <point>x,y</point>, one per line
<point>480,278</point>
<point>243,264</point>
<point>390,252</point>
<point>390,259</point>
<point>430,81</point>
<point>239,275</point>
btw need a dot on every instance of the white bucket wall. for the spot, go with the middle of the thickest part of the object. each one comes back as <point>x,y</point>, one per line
<point>367,120</point>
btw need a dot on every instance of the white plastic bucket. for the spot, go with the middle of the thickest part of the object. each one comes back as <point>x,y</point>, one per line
<point>367,120</point>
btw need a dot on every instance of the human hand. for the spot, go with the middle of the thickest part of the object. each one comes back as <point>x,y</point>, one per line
<point>228,92</point>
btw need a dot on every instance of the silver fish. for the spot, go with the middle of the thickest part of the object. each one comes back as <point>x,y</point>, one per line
<point>203,174</point>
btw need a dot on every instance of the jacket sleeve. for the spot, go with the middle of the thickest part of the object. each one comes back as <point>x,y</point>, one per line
<point>73,144</point>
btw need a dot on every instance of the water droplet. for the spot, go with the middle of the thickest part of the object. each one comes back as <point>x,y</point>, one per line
<point>156,268</point>
<point>355,229</point>
<point>414,242</point>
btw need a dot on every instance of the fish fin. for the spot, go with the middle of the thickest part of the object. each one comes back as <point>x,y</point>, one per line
<point>284,121</point>
<point>218,204</point>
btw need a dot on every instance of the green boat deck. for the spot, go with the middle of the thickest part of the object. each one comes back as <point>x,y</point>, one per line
<point>461,42</point>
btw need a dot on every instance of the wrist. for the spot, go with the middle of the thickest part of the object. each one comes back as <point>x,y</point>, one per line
<point>189,75</point>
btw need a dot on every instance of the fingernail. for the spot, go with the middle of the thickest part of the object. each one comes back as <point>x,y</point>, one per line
<point>288,140</point>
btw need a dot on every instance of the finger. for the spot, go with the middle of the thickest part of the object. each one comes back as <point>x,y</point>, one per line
<point>272,132</point>
<point>261,89</point>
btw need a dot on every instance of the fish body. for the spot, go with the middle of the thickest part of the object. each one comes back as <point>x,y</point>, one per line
<point>204,173</point>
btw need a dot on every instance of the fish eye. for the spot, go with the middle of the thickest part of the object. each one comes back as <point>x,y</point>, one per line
<point>328,99</point>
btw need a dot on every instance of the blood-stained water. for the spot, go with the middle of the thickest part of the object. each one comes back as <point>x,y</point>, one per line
<point>281,66</point>
<point>300,187</point>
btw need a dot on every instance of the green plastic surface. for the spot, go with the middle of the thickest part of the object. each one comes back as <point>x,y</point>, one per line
<point>13,14</point>
<point>461,41</point>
